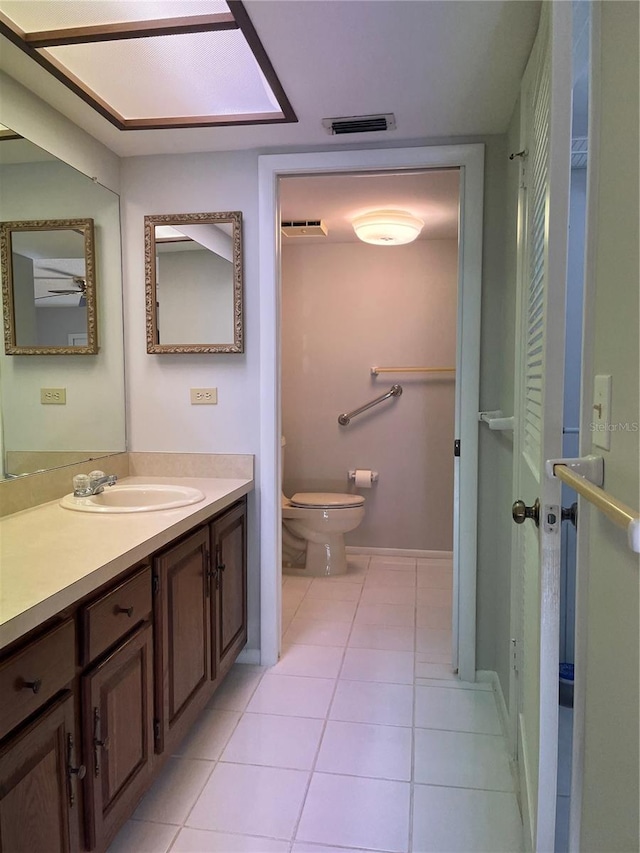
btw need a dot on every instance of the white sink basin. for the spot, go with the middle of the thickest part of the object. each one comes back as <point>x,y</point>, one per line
<point>138,497</point>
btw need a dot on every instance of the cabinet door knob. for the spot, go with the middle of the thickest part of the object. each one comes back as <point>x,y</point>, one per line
<point>80,771</point>
<point>32,685</point>
<point>127,610</point>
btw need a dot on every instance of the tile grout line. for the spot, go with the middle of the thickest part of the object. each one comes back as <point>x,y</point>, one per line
<point>217,760</point>
<point>325,721</point>
<point>413,720</point>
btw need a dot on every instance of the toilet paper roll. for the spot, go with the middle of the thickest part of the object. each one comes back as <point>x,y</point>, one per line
<point>363,478</point>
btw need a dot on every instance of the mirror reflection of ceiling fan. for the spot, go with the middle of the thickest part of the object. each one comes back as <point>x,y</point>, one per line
<point>80,287</point>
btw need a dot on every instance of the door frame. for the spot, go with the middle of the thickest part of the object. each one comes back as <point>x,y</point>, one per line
<point>271,167</point>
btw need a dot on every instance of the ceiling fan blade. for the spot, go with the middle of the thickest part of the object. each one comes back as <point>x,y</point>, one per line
<point>62,292</point>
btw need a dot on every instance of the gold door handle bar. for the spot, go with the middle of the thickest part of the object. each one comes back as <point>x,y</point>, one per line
<point>376,370</point>
<point>617,512</point>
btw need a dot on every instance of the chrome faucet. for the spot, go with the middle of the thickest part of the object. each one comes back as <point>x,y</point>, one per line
<point>85,485</point>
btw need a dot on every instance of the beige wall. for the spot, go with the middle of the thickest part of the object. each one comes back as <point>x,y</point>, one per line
<point>345,308</point>
<point>610,796</point>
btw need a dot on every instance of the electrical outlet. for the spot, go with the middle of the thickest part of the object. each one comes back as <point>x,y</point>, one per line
<point>204,396</point>
<point>53,396</point>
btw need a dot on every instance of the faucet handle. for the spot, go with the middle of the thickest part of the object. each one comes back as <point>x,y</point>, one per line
<point>81,484</point>
<point>96,475</point>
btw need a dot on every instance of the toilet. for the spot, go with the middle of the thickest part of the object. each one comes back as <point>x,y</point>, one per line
<point>314,524</point>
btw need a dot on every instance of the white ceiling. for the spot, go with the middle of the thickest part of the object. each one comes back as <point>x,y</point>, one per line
<point>444,67</point>
<point>337,199</point>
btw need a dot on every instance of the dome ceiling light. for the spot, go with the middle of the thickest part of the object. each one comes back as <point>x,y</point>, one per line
<point>387,227</point>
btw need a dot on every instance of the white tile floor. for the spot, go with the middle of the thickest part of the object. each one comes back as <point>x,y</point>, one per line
<point>360,739</point>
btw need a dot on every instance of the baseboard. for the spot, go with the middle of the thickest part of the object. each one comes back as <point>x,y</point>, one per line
<point>399,552</point>
<point>489,677</point>
<point>249,656</point>
<point>524,775</point>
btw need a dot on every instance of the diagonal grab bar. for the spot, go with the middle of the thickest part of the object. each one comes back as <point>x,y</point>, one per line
<point>395,391</point>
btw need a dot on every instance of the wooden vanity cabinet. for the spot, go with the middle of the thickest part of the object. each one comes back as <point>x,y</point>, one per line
<point>200,618</point>
<point>39,782</point>
<point>182,618</point>
<point>117,701</point>
<point>229,605</point>
<point>115,683</point>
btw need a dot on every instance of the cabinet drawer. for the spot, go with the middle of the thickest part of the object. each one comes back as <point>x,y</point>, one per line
<point>113,615</point>
<point>31,677</point>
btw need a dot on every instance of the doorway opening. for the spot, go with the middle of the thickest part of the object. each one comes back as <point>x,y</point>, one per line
<point>360,321</point>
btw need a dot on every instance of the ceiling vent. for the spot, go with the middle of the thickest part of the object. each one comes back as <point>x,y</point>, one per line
<point>304,228</point>
<point>359,124</point>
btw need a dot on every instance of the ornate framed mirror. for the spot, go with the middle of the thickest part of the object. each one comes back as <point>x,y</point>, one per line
<point>193,280</point>
<point>48,287</point>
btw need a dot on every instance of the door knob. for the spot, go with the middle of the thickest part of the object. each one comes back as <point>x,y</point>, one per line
<point>520,512</point>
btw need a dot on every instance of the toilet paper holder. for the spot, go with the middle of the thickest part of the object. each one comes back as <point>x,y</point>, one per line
<point>374,475</point>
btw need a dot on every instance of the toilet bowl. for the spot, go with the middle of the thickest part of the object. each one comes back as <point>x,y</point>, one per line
<point>314,524</point>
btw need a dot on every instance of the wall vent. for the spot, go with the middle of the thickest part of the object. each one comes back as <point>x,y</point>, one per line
<point>304,228</point>
<point>359,124</point>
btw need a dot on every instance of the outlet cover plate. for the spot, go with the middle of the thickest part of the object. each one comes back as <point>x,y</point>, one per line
<point>204,396</point>
<point>53,396</point>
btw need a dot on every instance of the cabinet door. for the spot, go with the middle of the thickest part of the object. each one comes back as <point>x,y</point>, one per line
<point>38,785</point>
<point>230,570</point>
<point>117,699</point>
<point>182,644</point>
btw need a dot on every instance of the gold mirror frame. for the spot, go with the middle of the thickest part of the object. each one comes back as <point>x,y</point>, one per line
<point>230,217</point>
<point>11,346</point>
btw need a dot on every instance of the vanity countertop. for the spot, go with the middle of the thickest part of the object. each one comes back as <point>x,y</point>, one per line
<point>51,557</point>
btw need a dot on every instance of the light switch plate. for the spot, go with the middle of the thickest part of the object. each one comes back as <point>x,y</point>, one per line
<point>53,396</point>
<point>601,421</point>
<point>204,396</point>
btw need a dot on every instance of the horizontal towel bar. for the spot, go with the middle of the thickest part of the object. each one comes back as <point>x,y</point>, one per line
<point>376,370</point>
<point>394,391</point>
<point>615,510</point>
<point>496,420</point>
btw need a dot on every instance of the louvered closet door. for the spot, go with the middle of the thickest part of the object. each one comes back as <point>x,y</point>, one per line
<point>543,228</point>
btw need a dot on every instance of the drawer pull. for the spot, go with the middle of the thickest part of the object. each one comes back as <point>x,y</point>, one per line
<point>127,610</point>
<point>32,685</point>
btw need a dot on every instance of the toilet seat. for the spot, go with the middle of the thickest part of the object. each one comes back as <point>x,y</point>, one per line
<point>325,500</point>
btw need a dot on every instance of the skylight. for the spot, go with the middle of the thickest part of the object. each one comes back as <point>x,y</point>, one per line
<point>193,63</point>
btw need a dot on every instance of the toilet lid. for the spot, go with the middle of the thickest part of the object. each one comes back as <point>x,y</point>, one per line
<point>326,499</point>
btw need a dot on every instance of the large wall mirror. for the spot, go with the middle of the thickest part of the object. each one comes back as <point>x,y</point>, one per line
<point>193,275</point>
<point>40,427</point>
<point>48,287</point>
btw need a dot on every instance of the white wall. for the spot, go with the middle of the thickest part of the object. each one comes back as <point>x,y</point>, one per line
<point>610,801</point>
<point>160,416</point>
<point>496,392</point>
<point>345,308</point>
